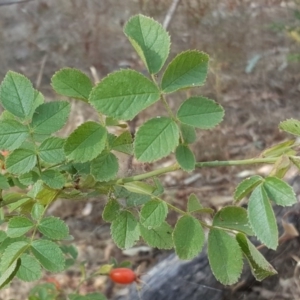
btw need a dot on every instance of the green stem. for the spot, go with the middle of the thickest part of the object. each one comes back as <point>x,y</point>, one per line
<point>251,161</point>
<point>216,163</point>
<point>149,174</point>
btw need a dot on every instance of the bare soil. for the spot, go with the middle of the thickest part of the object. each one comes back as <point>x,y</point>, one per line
<point>38,38</point>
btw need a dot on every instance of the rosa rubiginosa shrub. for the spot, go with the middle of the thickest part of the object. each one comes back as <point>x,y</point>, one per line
<point>41,167</point>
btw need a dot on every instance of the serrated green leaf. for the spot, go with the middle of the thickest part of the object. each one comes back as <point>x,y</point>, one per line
<point>12,134</point>
<point>188,133</point>
<point>86,142</point>
<point>125,230</point>
<point>233,217</point>
<point>247,186</point>
<point>262,218</point>
<point>193,203</point>
<point>185,158</point>
<point>72,83</point>
<point>200,112</point>
<point>123,94</point>
<point>48,254</point>
<point>52,150</point>
<point>11,254</point>
<point>156,139</point>
<point>153,213</point>
<point>105,167</point>
<point>123,143</point>
<point>28,178</point>
<point>187,69</point>
<point>158,237</point>
<point>279,149</point>
<point>291,126</point>
<point>279,191</point>
<point>225,256</point>
<point>18,226</point>
<point>38,100</point>
<point>9,273</point>
<point>136,199</point>
<point>3,236</point>
<point>4,185</point>
<point>30,269</point>
<point>53,228</point>
<point>111,210</point>
<point>139,187</point>
<point>6,115</point>
<point>50,117</point>
<point>188,237</point>
<point>159,188</point>
<point>150,40</point>
<point>37,211</point>
<point>260,267</point>
<point>21,161</point>
<point>53,179</point>
<point>17,94</point>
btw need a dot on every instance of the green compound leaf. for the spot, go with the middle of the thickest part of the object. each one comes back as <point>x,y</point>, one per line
<point>3,236</point>
<point>153,213</point>
<point>17,94</point>
<point>233,217</point>
<point>11,254</point>
<point>200,112</point>
<point>72,83</point>
<point>158,237</point>
<point>8,275</point>
<point>86,142</point>
<point>193,203</point>
<point>150,41</point>
<point>262,218</point>
<point>21,161</point>
<point>49,255</point>
<point>187,69</point>
<point>53,179</point>
<point>247,186</point>
<point>30,269</point>
<point>156,139</point>
<point>53,228</point>
<point>260,267</point>
<point>225,256</point>
<point>125,230</point>
<point>12,134</point>
<point>111,210</point>
<point>188,133</point>
<point>185,158</point>
<point>52,150</point>
<point>291,126</point>
<point>18,226</point>
<point>279,191</point>
<point>50,117</point>
<point>4,185</point>
<point>123,143</point>
<point>105,167</point>
<point>188,237</point>
<point>123,94</point>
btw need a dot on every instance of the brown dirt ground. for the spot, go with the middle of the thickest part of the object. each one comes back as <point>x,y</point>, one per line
<point>40,37</point>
